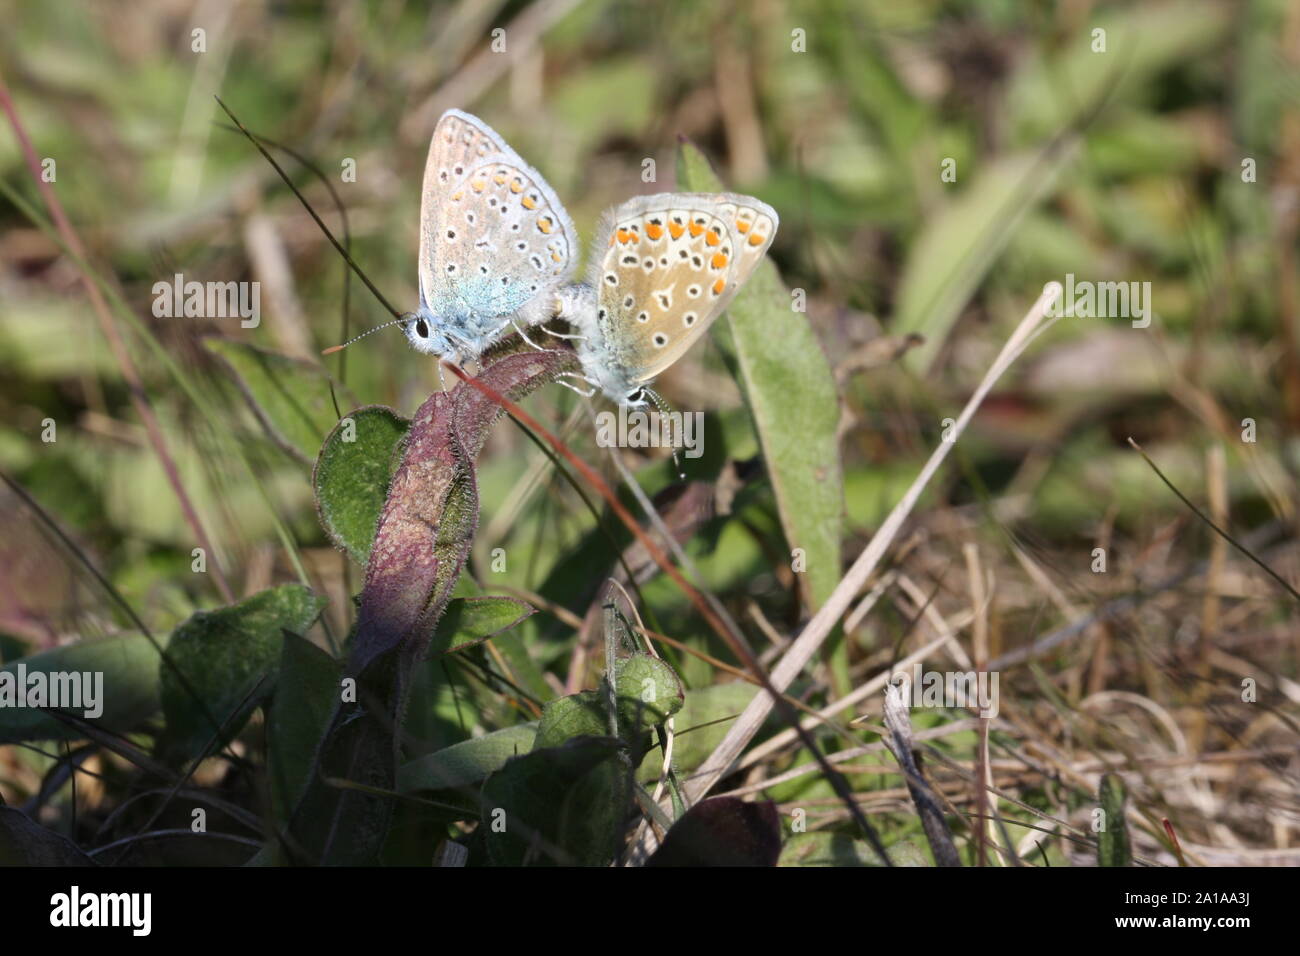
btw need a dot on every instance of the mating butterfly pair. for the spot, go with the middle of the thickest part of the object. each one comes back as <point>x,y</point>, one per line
<point>497,251</point>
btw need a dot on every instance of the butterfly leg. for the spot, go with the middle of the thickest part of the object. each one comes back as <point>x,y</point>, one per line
<point>585,393</point>
<point>523,336</point>
<point>562,335</point>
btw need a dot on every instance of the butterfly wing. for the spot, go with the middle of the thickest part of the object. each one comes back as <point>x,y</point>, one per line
<point>666,266</point>
<point>494,239</point>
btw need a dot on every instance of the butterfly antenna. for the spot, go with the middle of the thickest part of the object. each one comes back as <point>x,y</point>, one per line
<point>336,348</point>
<point>665,409</point>
<point>312,212</point>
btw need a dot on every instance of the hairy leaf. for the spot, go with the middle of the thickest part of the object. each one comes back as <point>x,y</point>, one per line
<point>355,465</point>
<point>468,762</point>
<point>557,806</point>
<point>648,691</point>
<point>578,715</point>
<point>472,620</point>
<point>305,696</point>
<point>24,842</point>
<point>230,659</point>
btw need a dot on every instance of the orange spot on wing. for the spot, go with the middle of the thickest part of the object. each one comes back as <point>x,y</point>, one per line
<point>478,185</point>
<point>742,226</point>
<point>653,231</point>
<point>624,236</point>
<point>544,224</point>
<point>499,179</point>
<point>675,229</point>
<point>712,239</point>
<point>719,260</point>
<point>516,186</point>
<point>756,240</point>
<point>719,286</point>
<point>528,202</point>
<point>696,229</point>
<point>457,197</point>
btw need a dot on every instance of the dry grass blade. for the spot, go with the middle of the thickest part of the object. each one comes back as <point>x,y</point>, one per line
<point>899,740</point>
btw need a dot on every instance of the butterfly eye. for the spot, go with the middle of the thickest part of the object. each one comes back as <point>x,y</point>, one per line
<point>422,329</point>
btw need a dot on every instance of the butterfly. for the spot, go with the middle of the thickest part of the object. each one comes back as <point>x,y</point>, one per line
<point>495,242</point>
<point>663,268</point>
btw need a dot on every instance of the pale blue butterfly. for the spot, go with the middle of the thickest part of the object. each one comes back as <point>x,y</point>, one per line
<point>663,268</point>
<point>496,245</point>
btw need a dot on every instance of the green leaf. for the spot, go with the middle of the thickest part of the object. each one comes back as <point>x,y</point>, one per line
<point>230,659</point>
<point>305,695</point>
<point>700,726</point>
<point>468,762</point>
<point>290,397</point>
<point>579,715</point>
<point>1112,842</point>
<point>269,855</point>
<point>960,242</point>
<point>648,691</point>
<point>23,842</point>
<point>472,620</point>
<point>352,474</point>
<point>521,665</point>
<point>127,695</point>
<point>558,805</point>
<point>792,397</point>
<point>841,849</point>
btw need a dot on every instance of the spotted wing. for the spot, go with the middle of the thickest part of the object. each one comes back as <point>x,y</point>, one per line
<point>665,268</point>
<point>493,235</point>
